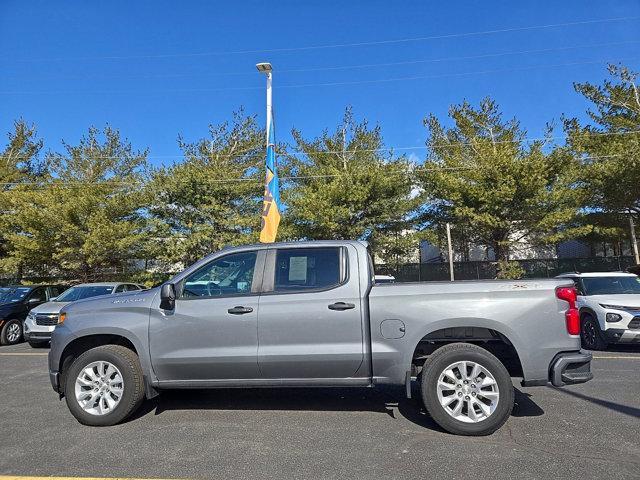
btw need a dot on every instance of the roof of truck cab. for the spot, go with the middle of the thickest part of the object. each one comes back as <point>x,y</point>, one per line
<point>299,243</point>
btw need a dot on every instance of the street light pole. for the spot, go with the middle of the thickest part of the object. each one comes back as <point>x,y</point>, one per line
<point>267,69</point>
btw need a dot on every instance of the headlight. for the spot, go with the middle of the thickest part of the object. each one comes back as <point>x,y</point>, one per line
<point>614,317</point>
<point>31,316</point>
<point>62,316</point>
<point>613,307</point>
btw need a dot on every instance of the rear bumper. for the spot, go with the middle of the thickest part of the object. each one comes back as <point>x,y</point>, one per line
<point>569,368</point>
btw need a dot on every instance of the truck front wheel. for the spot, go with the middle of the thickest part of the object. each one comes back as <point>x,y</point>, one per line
<point>104,385</point>
<point>467,390</point>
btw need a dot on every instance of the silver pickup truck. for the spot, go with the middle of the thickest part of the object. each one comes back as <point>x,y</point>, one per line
<point>309,314</point>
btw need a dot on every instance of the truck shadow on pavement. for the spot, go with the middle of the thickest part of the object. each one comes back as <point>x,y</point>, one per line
<point>619,348</point>
<point>388,400</point>
<point>616,407</point>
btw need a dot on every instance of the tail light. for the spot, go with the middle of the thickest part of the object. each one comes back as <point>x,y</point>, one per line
<point>572,316</point>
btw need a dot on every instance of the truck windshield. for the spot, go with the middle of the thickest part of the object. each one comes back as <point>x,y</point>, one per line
<point>78,293</point>
<point>611,285</point>
<point>13,294</point>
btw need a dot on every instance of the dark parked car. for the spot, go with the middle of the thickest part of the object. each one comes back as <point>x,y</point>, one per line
<point>15,303</point>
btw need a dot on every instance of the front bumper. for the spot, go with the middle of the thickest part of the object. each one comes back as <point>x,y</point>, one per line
<point>569,368</point>
<point>621,335</point>
<point>37,336</point>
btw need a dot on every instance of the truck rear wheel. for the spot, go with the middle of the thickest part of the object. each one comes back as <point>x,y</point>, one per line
<point>104,385</point>
<point>467,390</point>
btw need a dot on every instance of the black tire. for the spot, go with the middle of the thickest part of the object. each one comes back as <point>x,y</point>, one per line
<point>590,334</point>
<point>456,352</point>
<point>8,330</point>
<point>36,344</point>
<point>133,385</point>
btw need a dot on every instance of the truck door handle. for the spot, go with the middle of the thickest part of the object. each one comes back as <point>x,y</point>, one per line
<point>341,306</point>
<point>240,310</point>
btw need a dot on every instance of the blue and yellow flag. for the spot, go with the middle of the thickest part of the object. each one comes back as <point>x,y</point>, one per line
<point>271,202</point>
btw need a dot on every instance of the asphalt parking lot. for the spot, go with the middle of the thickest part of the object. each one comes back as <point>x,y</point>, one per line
<point>584,431</point>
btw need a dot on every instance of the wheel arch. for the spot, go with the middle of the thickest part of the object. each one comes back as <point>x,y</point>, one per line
<point>590,311</point>
<point>81,343</point>
<point>493,336</point>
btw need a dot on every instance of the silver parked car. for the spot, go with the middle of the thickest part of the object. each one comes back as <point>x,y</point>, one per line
<point>42,319</point>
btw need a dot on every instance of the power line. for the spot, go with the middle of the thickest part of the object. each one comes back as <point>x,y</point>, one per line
<point>466,57</point>
<point>445,75</point>
<point>422,168</point>
<point>260,149</point>
<point>338,45</point>
<point>349,67</point>
<point>305,85</point>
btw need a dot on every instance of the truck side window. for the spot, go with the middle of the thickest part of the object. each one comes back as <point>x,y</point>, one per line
<point>229,275</point>
<point>301,269</point>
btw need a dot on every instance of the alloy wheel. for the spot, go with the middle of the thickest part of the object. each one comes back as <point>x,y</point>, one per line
<point>13,333</point>
<point>468,391</point>
<point>99,388</point>
<point>589,333</point>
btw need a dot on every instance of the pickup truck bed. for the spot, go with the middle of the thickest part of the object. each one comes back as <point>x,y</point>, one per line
<point>524,314</point>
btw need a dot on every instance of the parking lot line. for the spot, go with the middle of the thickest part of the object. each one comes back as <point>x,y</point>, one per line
<point>18,477</point>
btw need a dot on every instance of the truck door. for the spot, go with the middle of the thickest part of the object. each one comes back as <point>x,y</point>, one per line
<point>212,332</point>
<point>309,324</point>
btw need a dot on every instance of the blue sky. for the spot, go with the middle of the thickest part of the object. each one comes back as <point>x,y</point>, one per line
<point>159,69</point>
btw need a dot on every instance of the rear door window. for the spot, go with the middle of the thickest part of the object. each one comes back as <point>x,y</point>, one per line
<point>304,269</point>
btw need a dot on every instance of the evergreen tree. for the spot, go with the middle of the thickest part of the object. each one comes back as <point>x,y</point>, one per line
<point>86,216</point>
<point>610,149</point>
<point>213,197</point>
<point>485,178</point>
<point>18,164</point>
<point>346,185</point>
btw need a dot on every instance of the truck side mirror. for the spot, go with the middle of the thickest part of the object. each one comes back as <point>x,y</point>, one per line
<point>167,296</point>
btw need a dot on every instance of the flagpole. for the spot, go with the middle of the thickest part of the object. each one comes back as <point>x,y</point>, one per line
<point>271,208</point>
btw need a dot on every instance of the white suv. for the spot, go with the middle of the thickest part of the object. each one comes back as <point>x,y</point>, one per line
<point>609,306</point>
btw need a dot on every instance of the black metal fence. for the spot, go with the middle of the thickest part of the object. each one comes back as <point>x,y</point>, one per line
<point>543,268</point>
<point>408,272</point>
